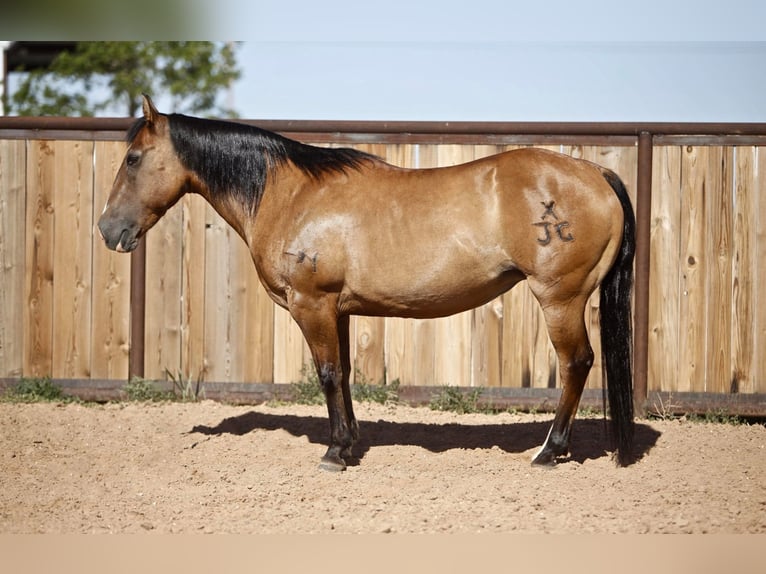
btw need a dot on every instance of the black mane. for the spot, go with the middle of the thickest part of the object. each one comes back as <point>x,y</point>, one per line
<point>234,158</point>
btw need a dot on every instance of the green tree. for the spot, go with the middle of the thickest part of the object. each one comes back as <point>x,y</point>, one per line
<point>99,76</point>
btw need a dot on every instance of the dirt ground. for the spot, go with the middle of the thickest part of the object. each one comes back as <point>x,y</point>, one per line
<point>210,467</point>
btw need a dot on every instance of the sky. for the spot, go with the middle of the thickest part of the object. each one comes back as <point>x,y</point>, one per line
<point>493,60</point>
<point>458,60</point>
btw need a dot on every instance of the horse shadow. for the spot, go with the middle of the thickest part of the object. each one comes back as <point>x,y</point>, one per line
<point>590,437</point>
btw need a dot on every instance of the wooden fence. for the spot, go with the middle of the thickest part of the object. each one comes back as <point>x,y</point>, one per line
<point>65,299</point>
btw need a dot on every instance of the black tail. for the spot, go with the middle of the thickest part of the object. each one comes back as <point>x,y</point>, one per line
<point>617,329</point>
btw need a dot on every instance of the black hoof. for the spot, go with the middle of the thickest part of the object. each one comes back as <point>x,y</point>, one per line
<point>332,465</point>
<point>547,456</point>
<point>332,461</point>
<point>545,460</point>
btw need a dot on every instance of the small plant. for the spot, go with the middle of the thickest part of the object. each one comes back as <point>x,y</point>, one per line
<point>455,400</point>
<point>719,416</point>
<point>144,390</point>
<point>588,412</point>
<point>308,391</point>
<point>36,390</point>
<point>663,410</point>
<point>382,394</point>
<point>185,388</point>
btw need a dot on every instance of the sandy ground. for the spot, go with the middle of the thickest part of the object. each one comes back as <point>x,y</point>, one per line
<point>209,467</point>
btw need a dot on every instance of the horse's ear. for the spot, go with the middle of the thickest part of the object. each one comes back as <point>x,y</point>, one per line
<point>150,112</point>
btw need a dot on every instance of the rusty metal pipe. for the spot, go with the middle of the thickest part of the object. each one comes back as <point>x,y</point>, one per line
<point>420,127</point>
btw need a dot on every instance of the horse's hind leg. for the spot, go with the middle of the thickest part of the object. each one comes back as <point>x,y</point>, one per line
<point>566,328</point>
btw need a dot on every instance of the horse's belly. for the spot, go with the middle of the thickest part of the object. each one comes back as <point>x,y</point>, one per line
<point>430,292</point>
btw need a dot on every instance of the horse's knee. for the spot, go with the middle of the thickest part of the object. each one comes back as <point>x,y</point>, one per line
<point>328,378</point>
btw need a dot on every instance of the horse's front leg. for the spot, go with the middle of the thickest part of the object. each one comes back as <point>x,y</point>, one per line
<point>341,434</point>
<point>345,362</point>
<point>319,325</point>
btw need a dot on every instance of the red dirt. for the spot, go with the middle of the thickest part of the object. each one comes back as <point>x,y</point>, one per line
<point>209,467</point>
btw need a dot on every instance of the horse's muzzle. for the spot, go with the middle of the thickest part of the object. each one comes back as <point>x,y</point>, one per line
<point>119,237</point>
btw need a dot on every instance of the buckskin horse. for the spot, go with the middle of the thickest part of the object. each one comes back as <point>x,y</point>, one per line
<point>338,232</point>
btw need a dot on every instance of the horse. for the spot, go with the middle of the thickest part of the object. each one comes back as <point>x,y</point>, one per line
<point>335,232</point>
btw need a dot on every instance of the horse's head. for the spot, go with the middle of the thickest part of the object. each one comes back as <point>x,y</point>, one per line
<point>151,179</point>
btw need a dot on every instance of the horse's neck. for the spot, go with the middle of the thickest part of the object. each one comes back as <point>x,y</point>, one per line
<point>232,211</point>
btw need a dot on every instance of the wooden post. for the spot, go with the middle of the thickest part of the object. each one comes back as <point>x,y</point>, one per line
<point>137,310</point>
<point>641,288</point>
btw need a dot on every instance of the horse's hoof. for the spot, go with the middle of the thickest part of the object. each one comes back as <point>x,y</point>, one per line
<point>544,463</point>
<point>546,458</point>
<point>332,464</point>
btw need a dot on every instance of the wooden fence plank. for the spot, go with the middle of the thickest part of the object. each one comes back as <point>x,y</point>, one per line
<point>240,273</point>
<point>487,345</point>
<point>516,366</point>
<point>694,270</point>
<point>38,308</point>
<point>759,317</point>
<point>12,237</point>
<point>664,270</point>
<point>164,258</point>
<point>259,330</point>
<point>718,194</point>
<point>744,271</point>
<point>289,354</point>
<point>368,337</point>
<point>218,294</point>
<point>72,257</point>
<point>193,364</point>
<point>394,349</point>
<point>110,323</point>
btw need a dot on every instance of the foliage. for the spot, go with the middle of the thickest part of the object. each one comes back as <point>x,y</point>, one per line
<point>144,390</point>
<point>383,394</point>
<point>96,75</point>
<point>308,391</point>
<point>185,388</point>
<point>663,410</point>
<point>456,400</point>
<point>36,390</point>
<point>718,416</point>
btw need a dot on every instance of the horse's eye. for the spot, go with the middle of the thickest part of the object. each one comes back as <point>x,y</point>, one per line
<point>132,159</point>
